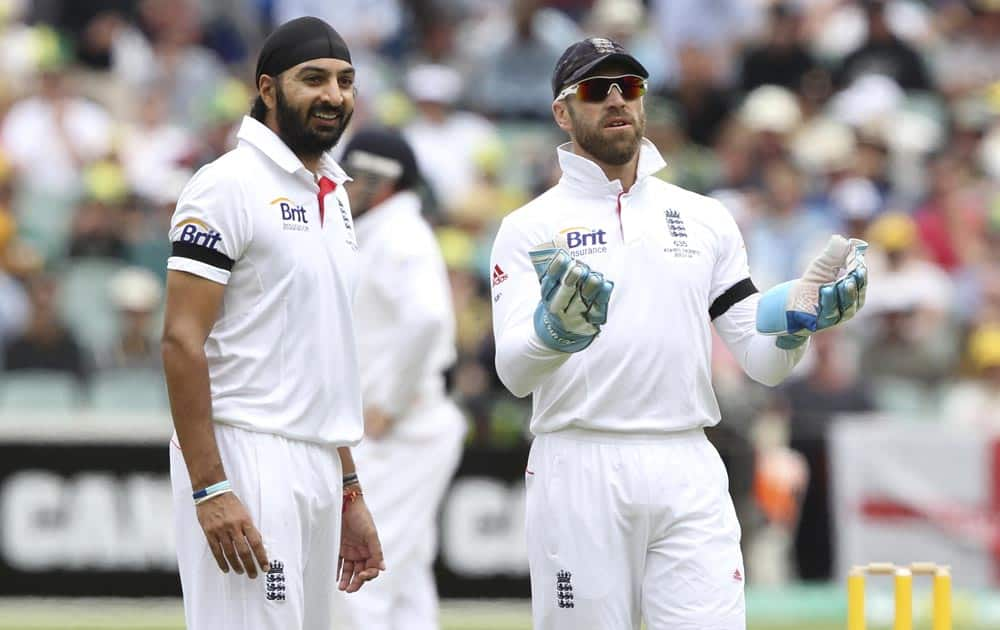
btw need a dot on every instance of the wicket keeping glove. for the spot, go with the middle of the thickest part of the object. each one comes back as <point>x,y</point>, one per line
<point>574,302</point>
<point>830,292</point>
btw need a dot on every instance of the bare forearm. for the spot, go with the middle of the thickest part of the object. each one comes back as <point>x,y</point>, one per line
<point>186,372</point>
<point>346,460</point>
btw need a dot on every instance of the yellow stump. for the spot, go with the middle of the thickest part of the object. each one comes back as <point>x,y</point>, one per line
<point>856,599</point>
<point>904,600</point>
<point>942,599</point>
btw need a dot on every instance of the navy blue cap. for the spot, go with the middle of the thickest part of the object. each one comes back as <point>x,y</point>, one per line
<point>582,58</point>
<point>384,152</point>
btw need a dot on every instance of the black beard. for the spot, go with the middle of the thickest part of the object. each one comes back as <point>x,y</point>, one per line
<point>294,129</point>
<point>615,153</point>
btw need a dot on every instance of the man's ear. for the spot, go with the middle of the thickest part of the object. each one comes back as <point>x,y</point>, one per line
<point>267,86</point>
<point>560,111</point>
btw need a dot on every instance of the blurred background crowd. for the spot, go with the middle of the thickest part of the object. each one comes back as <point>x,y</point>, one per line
<point>804,117</point>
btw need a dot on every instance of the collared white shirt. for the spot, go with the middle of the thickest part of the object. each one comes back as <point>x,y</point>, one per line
<point>406,322</point>
<point>678,263</point>
<point>282,356</point>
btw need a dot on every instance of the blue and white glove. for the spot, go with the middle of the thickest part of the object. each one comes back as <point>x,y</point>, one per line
<point>574,302</point>
<point>830,292</point>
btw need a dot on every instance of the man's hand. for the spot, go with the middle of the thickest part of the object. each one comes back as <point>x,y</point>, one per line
<point>831,291</point>
<point>574,300</point>
<point>231,535</point>
<point>360,550</point>
<point>377,423</point>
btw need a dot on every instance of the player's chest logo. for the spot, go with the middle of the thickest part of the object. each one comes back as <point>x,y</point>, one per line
<point>293,216</point>
<point>678,242</point>
<point>583,241</point>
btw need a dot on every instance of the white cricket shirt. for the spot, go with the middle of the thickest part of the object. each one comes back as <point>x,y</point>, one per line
<point>678,263</point>
<point>282,356</point>
<point>406,324</point>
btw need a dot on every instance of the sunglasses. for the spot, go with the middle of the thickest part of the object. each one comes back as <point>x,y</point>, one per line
<point>596,89</point>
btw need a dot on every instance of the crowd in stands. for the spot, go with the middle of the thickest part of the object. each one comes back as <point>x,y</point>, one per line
<point>877,119</point>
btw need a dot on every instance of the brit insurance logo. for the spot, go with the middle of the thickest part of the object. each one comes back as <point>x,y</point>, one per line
<point>581,241</point>
<point>293,217</point>
<point>198,233</point>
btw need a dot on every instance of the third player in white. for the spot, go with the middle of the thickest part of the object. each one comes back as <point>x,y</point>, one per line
<point>406,341</point>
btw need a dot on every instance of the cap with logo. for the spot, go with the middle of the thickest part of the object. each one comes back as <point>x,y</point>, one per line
<point>383,152</point>
<point>583,58</point>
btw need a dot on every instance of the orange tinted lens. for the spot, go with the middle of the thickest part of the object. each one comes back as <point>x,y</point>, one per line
<point>595,90</point>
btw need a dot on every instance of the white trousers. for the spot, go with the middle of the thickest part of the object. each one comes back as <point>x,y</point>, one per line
<point>623,530</point>
<point>292,490</point>
<point>404,481</point>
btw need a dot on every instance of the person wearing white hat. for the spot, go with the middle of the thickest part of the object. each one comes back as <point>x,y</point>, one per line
<point>136,293</point>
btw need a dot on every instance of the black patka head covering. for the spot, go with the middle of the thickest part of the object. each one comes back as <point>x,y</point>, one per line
<point>299,40</point>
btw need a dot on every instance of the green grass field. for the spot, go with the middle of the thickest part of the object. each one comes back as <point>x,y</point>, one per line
<point>26,614</point>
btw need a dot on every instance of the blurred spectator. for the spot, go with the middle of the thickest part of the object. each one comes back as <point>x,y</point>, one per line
<point>90,25</point>
<point>14,307</point>
<point>912,343</point>
<point>98,227</point>
<point>716,28</point>
<point>513,82</point>
<point>837,27</point>
<point>164,51</point>
<point>969,60</point>
<point>444,138</point>
<point>975,402</point>
<point>856,201</point>
<point>830,388</point>
<point>218,123</point>
<point>136,295</point>
<point>884,53</point>
<point>978,283</point>
<point>771,113</point>
<point>154,146</point>
<point>689,165</point>
<point>950,220</point>
<point>366,25</point>
<point>46,343</point>
<point>782,240</point>
<point>144,229</point>
<point>489,199</point>
<point>627,22</point>
<point>824,148</point>
<point>55,128</point>
<point>782,59</point>
<point>699,95</point>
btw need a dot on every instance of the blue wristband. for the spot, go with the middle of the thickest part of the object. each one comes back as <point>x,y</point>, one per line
<point>215,488</point>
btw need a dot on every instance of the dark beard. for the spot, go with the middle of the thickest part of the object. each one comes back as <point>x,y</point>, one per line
<point>294,130</point>
<point>614,153</point>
